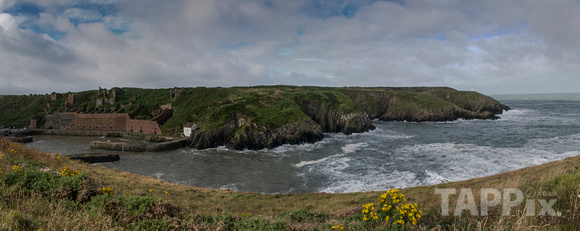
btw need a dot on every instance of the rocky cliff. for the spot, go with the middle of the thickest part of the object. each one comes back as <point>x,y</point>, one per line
<point>267,117</point>
<point>424,104</point>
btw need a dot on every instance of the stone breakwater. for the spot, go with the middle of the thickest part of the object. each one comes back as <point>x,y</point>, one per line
<point>139,147</point>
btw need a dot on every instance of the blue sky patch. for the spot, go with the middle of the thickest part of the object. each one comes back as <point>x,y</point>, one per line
<point>286,51</point>
<point>25,9</point>
<point>345,8</point>
<point>79,12</point>
<point>499,32</point>
<point>238,45</point>
<point>439,37</point>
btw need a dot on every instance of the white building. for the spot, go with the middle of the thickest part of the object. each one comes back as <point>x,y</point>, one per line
<point>189,128</point>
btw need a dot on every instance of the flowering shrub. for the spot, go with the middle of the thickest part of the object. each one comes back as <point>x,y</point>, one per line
<point>67,172</point>
<point>392,210</point>
<point>107,190</point>
<point>368,212</point>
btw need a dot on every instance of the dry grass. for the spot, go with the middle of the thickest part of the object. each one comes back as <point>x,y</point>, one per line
<point>215,209</point>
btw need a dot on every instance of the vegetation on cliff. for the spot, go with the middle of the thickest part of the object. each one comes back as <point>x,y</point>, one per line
<point>44,191</point>
<point>269,116</point>
<point>266,116</point>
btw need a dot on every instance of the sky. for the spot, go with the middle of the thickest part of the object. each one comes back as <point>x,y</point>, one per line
<point>490,46</point>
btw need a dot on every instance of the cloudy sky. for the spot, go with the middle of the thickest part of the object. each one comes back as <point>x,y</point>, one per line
<point>490,46</point>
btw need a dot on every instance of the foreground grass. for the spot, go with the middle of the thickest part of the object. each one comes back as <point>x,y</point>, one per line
<point>44,191</point>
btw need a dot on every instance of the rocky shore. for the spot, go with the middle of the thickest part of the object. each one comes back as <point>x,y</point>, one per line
<point>346,110</point>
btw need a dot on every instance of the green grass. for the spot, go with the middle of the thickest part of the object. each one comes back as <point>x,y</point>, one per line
<point>32,197</point>
<point>18,110</point>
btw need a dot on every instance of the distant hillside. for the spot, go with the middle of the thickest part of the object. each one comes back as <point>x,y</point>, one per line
<point>262,116</point>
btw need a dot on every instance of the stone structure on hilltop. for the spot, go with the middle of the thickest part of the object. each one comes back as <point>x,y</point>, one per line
<point>54,96</point>
<point>176,93</point>
<point>103,118</point>
<point>106,97</point>
<point>70,101</point>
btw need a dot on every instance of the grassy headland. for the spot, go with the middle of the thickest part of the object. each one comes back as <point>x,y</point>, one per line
<point>44,191</point>
<point>264,116</point>
<point>271,105</point>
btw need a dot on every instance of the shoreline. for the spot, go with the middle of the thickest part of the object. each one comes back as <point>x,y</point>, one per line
<point>322,210</point>
<point>154,143</point>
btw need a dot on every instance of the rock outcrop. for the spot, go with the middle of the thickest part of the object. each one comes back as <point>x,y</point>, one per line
<point>260,136</point>
<point>333,120</point>
<point>345,110</point>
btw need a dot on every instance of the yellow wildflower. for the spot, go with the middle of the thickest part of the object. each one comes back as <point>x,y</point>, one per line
<point>338,227</point>
<point>107,190</point>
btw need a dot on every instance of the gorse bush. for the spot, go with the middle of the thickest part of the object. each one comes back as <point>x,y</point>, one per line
<point>27,180</point>
<point>107,190</point>
<point>391,210</point>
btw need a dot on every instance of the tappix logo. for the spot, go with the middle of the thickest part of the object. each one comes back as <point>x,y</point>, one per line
<point>536,203</point>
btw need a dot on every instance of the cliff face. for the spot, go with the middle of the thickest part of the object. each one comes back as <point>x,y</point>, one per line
<point>260,136</point>
<point>424,104</point>
<point>345,110</point>
<point>242,133</point>
<point>308,112</point>
<point>332,120</point>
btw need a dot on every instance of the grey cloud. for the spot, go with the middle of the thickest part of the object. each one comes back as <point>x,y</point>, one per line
<point>491,46</point>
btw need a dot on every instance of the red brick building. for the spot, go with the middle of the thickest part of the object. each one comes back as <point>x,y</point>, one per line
<point>101,121</point>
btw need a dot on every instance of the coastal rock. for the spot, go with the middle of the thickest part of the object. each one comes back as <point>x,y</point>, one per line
<point>211,138</point>
<point>346,110</point>
<point>259,136</point>
<point>333,120</point>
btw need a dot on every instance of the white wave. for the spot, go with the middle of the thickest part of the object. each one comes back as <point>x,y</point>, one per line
<point>433,178</point>
<point>158,175</point>
<point>305,147</point>
<point>311,162</point>
<point>232,186</point>
<point>371,181</point>
<point>466,161</point>
<point>519,112</point>
<point>349,148</point>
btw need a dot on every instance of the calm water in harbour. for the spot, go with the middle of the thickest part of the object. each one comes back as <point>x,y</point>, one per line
<point>538,129</point>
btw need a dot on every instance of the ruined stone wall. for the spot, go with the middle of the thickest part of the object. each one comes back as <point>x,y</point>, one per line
<point>97,122</point>
<point>101,122</point>
<point>60,121</point>
<point>143,126</point>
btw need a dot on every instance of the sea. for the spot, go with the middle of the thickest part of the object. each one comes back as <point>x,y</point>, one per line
<point>538,129</point>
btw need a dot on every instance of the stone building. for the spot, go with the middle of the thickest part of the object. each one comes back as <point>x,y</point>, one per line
<point>101,121</point>
<point>188,128</point>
